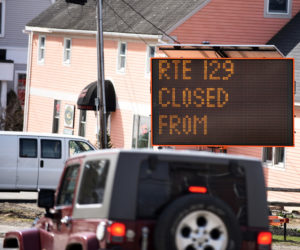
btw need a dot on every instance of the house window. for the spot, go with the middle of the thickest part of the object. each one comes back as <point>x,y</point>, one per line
<point>56,113</point>
<point>141,132</point>
<point>274,156</point>
<point>278,8</point>
<point>67,50</point>
<point>150,54</point>
<point>122,57</point>
<point>82,123</point>
<point>2,17</point>
<point>41,51</point>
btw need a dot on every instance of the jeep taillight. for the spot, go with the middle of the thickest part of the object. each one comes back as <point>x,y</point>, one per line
<point>116,232</point>
<point>118,229</point>
<point>197,189</point>
<point>264,240</point>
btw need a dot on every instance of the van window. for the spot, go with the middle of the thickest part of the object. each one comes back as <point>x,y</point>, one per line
<point>51,149</point>
<point>28,148</point>
<point>66,193</point>
<point>76,147</point>
<point>93,182</point>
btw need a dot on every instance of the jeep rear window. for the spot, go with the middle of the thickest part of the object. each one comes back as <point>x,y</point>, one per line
<point>161,182</point>
<point>93,182</point>
<point>66,192</point>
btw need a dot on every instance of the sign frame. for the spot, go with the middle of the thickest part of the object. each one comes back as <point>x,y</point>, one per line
<point>157,142</point>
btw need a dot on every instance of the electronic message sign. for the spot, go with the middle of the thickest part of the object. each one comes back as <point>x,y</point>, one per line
<point>223,101</point>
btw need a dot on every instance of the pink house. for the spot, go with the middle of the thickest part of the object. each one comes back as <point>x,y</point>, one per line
<point>63,61</point>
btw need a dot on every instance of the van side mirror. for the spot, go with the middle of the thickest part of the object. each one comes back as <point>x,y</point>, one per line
<point>46,199</point>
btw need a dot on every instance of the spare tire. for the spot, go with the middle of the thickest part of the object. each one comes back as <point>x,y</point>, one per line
<point>197,221</point>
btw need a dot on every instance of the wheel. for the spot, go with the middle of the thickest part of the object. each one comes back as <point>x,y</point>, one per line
<point>197,222</point>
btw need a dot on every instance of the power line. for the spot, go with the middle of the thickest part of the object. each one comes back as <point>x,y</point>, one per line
<point>149,21</point>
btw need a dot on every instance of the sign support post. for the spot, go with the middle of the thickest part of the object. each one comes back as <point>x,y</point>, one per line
<point>101,133</point>
<point>100,103</point>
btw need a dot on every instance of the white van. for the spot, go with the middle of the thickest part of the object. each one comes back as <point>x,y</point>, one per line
<point>32,161</point>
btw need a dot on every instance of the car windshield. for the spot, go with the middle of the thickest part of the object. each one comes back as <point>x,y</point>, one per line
<point>76,147</point>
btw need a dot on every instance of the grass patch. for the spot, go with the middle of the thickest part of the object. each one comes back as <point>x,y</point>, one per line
<point>291,240</point>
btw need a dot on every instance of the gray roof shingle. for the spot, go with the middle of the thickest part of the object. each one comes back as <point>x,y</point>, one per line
<point>288,37</point>
<point>118,16</point>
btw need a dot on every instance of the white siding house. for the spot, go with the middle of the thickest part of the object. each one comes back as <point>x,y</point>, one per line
<point>14,14</point>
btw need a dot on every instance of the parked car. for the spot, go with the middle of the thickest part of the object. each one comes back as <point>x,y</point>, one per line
<point>146,199</point>
<point>30,161</point>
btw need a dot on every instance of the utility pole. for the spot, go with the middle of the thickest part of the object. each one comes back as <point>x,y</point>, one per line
<point>100,102</point>
<point>102,133</point>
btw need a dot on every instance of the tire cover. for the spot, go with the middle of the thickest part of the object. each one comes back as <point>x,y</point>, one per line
<point>171,217</point>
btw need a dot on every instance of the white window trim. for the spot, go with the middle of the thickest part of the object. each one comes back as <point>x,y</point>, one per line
<point>2,33</point>
<point>278,15</point>
<point>17,72</point>
<point>67,61</point>
<point>148,64</point>
<point>41,61</point>
<point>270,164</point>
<point>121,70</point>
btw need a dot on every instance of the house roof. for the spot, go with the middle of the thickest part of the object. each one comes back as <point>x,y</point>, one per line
<point>286,40</point>
<point>118,16</point>
<point>288,37</point>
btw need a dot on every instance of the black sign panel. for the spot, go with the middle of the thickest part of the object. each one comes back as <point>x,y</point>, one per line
<point>222,102</point>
